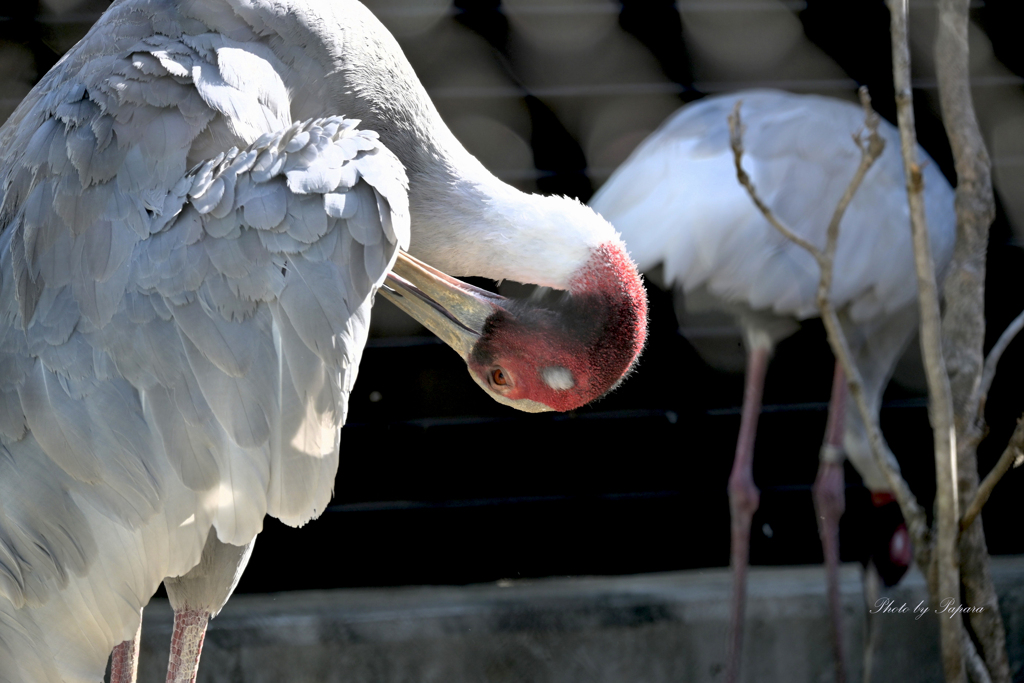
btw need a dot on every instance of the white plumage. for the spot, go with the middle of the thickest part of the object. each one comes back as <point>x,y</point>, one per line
<point>194,222</point>
<point>678,203</point>
<point>207,384</point>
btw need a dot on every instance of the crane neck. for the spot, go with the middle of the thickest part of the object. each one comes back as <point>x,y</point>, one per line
<point>467,222</point>
<point>464,220</point>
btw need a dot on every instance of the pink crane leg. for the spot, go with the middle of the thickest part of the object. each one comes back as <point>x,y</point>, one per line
<point>186,645</point>
<point>829,504</point>
<point>124,660</point>
<point>744,499</point>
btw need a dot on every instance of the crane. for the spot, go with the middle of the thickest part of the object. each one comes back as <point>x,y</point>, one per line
<point>198,205</point>
<point>677,202</point>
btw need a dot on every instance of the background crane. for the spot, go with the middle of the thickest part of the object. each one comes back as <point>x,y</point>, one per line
<point>678,204</point>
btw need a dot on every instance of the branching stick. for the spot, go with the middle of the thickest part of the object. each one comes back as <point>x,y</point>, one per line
<point>940,403</point>
<point>989,371</point>
<point>871,148</point>
<point>963,320</point>
<point>1012,456</point>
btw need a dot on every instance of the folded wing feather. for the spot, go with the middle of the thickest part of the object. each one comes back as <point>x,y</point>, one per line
<point>178,347</point>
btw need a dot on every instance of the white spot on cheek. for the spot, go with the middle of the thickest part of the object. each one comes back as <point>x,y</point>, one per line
<point>557,377</point>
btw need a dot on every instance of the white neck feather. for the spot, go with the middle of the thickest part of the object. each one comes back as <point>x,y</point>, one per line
<point>467,222</point>
<point>464,220</point>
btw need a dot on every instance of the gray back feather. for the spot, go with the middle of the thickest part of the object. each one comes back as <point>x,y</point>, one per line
<point>177,346</point>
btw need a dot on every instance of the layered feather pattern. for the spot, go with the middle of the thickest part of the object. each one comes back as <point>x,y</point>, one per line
<point>176,346</point>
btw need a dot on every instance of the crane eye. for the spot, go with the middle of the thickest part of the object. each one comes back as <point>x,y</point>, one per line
<point>498,377</point>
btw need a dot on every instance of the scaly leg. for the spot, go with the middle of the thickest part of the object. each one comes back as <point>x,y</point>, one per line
<point>829,504</point>
<point>744,499</point>
<point>124,660</point>
<point>186,645</point>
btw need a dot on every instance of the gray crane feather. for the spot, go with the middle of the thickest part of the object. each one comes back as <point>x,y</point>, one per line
<point>177,347</point>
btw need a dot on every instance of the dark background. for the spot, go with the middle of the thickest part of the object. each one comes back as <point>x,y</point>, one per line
<point>438,484</point>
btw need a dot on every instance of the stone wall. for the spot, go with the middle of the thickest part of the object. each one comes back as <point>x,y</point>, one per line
<point>651,628</point>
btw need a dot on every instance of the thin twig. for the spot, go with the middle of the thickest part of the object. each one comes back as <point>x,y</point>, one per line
<point>989,372</point>
<point>870,150</point>
<point>1012,456</point>
<point>736,130</point>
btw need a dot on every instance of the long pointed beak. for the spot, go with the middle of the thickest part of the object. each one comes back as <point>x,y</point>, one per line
<point>452,309</point>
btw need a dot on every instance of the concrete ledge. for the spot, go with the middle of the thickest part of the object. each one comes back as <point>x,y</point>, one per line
<point>635,629</point>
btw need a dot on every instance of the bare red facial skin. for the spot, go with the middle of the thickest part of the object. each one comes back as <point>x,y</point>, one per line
<point>596,333</point>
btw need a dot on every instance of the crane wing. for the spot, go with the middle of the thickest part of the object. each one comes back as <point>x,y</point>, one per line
<point>177,347</point>
<point>676,201</point>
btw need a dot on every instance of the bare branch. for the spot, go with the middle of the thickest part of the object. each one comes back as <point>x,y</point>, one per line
<point>1012,456</point>
<point>989,373</point>
<point>963,320</point>
<point>870,150</point>
<point>940,405</point>
<point>975,665</point>
<point>736,130</point>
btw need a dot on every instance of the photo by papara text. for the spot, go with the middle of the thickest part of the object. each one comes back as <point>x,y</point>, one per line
<point>948,607</point>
